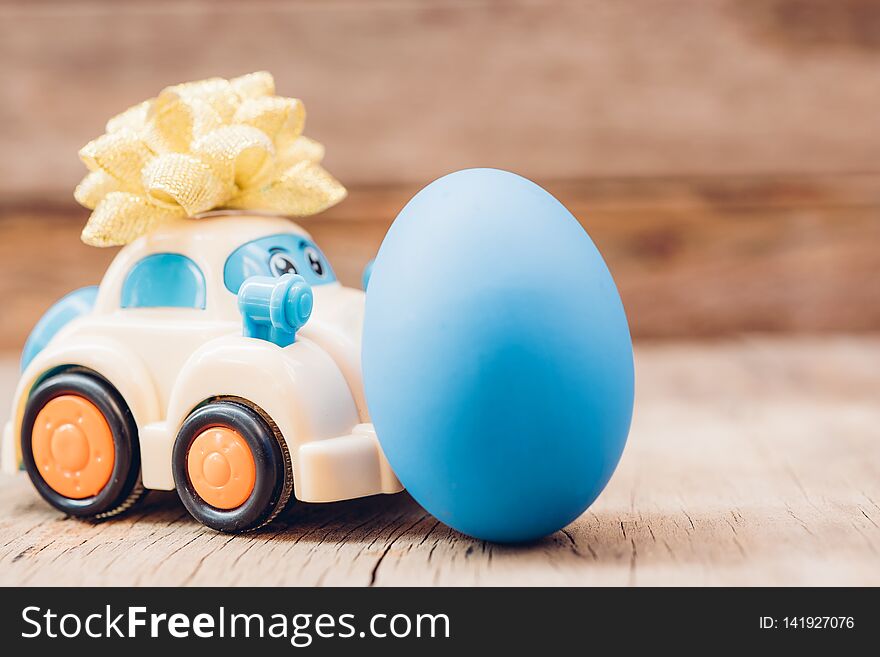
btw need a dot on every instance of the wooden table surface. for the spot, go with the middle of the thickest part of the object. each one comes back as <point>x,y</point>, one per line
<point>751,461</point>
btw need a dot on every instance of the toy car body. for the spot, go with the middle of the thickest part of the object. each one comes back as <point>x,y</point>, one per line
<point>167,355</point>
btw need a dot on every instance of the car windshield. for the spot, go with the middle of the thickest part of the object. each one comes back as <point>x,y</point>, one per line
<point>277,255</point>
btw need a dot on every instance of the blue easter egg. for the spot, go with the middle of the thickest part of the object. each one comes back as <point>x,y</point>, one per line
<point>497,358</point>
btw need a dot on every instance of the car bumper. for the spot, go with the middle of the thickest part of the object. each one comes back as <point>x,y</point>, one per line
<point>344,467</point>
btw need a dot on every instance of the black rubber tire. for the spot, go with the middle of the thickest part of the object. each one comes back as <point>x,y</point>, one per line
<point>274,477</point>
<point>124,488</point>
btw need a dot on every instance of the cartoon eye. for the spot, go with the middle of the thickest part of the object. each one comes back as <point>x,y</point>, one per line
<point>314,260</point>
<point>280,264</point>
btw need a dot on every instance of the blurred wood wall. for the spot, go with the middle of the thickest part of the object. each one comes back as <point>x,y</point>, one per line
<point>723,154</point>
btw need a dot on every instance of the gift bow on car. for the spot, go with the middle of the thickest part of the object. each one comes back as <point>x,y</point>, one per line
<point>201,146</point>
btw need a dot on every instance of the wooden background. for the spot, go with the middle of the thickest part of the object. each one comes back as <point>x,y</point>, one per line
<point>405,90</point>
<point>723,154</point>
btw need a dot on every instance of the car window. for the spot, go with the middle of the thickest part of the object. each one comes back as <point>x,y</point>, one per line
<point>164,280</point>
<point>277,255</point>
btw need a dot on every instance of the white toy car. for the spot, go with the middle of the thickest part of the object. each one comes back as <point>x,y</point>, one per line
<point>218,357</point>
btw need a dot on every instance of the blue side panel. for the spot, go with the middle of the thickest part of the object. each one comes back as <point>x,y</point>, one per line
<point>164,280</point>
<point>368,271</point>
<point>69,307</point>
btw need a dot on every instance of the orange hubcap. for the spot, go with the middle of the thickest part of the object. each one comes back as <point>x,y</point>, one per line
<point>221,467</point>
<point>73,446</point>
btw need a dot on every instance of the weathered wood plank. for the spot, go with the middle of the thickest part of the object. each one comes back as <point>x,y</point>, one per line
<point>691,256</point>
<point>409,90</point>
<point>750,462</point>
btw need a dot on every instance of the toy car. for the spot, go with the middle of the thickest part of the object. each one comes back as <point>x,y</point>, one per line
<point>219,357</point>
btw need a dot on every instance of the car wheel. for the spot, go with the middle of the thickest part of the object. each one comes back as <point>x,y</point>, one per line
<point>231,468</point>
<point>79,444</point>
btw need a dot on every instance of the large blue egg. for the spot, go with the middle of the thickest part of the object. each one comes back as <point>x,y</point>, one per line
<point>497,357</point>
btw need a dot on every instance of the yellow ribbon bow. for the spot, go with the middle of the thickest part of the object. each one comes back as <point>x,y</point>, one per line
<point>202,146</point>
